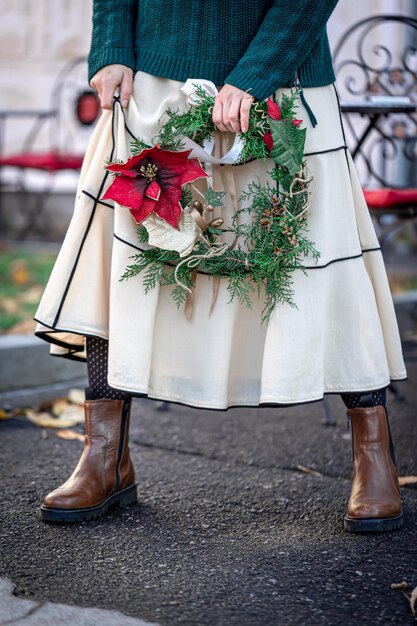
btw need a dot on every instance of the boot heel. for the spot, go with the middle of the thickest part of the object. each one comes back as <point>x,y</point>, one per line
<point>128,496</point>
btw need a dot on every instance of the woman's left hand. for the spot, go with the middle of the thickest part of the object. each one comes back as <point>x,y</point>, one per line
<point>231,109</point>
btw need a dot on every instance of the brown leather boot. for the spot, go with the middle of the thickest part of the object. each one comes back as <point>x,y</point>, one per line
<point>104,476</point>
<point>375,500</point>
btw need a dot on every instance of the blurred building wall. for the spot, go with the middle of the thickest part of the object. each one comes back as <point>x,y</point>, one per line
<point>36,38</point>
<point>348,12</point>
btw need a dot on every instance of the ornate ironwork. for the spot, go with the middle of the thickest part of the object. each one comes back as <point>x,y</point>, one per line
<point>383,63</point>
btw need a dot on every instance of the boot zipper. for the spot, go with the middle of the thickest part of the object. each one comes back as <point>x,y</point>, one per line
<point>349,427</point>
<point>307,107</point>
<point>125,410</point>
<point>348,421</point>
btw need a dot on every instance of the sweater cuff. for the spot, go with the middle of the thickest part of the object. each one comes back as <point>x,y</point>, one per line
<point>256,86</point>
<point>122,56</point>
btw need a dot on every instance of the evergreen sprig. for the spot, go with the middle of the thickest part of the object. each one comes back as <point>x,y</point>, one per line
<point>196,123</point>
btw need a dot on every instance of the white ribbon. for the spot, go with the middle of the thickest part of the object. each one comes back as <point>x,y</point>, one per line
<point>204,153</point>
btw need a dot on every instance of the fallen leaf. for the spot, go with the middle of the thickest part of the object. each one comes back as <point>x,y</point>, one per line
<point>407,480</point>
<point>46,420</point>
<point>69,434</point>
<point>59,406</point>
<point>74,412</point>
<point>41,418</point>
<point>413,599</point>
<point>307,470</point>
<point>48,404</point>
<point>399,586</point>
<point>76,396</point>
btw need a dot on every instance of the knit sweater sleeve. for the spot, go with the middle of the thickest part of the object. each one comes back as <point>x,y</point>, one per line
<point>114,23</point>
<point>285,38</point>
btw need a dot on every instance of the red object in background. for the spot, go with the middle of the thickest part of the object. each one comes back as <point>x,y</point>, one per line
<point>387,197</point>
<point>87,108</point>
<point>49,161</point>
<point>152,181</point>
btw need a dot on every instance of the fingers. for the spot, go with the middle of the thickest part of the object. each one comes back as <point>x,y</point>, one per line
<point>218,114</point>
<point>232,109</point>
<point>108,90</point>
<point>108,80</point>
<point>245,112</point>
<point>233,115</point>
<point>126,88</point>
<point>105,82</point>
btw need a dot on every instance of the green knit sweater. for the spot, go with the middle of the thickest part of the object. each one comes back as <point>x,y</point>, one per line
<point>257,45</point>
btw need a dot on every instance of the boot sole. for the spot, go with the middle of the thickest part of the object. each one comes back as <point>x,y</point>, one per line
<point>373,525</point>
<point>121,499</point>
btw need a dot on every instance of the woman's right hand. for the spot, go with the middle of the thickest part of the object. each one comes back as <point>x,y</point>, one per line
<point>108,80</point>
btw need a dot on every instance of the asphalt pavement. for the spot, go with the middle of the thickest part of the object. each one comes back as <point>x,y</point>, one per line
<point>229,529</point>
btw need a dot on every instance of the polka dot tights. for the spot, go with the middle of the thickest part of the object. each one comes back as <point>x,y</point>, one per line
<point>97,361</point>
<point>373,398</point>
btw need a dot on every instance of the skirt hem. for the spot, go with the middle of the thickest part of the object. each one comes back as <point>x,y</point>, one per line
<point>261,405</point>
<point>72,355</point>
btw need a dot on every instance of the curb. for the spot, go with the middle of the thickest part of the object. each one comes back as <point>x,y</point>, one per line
<point>28,374</point>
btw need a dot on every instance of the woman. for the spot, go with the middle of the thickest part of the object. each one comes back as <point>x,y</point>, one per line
<point>342,338</point>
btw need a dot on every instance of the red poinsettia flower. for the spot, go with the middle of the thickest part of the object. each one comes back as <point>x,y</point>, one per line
<point>151,182</point>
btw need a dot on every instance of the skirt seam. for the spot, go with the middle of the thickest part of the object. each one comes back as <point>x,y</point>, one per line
<point>306,267</point>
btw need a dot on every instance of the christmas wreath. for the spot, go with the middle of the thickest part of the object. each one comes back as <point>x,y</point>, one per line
<point>176,240</point>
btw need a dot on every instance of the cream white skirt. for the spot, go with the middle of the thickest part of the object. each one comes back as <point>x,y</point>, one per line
<point>343,337</point>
